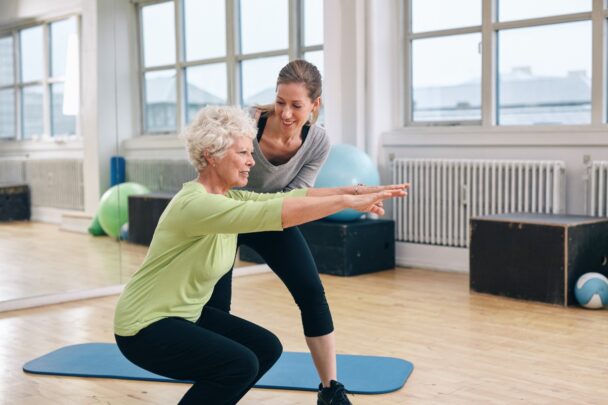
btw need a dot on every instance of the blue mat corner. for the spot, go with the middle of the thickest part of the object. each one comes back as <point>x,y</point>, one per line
<point>293,371</point>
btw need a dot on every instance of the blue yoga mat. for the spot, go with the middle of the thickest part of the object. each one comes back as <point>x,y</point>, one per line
<point>293,371</point>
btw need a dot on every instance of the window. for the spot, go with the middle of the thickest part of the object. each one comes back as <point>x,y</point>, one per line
<point>32,87</point>
<point>218,54</point>
<point>8,127</point>
<point>440,40</point>
<point>534,57</point>
<point>544,74</point>
<point>442,94</point>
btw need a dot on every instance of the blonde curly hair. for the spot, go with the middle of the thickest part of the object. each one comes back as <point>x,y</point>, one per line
<point>213,130</point>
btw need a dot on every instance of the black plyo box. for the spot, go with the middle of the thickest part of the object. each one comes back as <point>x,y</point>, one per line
<point>536,257</point>
<point>14,202</point>
<point>346,248</point>
<point>144,212</point>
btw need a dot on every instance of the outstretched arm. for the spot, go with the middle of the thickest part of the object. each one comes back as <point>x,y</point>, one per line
<point>354,190</point>
<point>320,203</point>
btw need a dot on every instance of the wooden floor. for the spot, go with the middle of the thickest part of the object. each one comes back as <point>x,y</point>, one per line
<point>466,348</point>
<point>38,259</point>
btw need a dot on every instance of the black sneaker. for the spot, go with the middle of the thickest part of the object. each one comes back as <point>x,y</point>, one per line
<point>335,394</point>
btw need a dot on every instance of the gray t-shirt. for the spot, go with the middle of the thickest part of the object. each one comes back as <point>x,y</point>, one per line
<point>299,172</point>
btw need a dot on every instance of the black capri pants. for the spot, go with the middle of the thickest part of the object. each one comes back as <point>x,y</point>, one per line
<point>222,354</point>
<point>288,255</point>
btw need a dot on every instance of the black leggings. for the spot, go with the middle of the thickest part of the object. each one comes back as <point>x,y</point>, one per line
<point>288,255</point>
<point>223,355</point>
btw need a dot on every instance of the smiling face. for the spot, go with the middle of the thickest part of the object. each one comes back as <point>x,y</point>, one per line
<point>233,168</point>
<point>293,107</point>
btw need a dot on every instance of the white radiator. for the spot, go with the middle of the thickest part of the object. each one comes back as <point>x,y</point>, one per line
<point>598,189</point>
<point>160,175</point>
<point>56,183</point>
<point>12,171</point>
<point>446,193</point>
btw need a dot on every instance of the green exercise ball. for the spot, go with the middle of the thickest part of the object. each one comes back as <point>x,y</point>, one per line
<point>95,228</point>
<point>114,207</point>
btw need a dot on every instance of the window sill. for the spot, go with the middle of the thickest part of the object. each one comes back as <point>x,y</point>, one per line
<point>60,145</point>
<point>498,136</point>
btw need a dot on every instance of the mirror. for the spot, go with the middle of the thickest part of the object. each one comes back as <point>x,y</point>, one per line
<point>59,126</point>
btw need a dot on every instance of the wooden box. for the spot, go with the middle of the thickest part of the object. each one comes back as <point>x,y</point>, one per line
<point>14,202</point>
<point>536,257</point>
<point>346,248</point>
<point>144,212</point>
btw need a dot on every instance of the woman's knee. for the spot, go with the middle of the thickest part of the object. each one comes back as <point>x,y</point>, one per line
<point>242,370</point>
<point>274,347</point>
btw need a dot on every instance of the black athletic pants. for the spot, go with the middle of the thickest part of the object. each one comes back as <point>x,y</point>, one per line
<point>288,255</point>
<point>223,354</point>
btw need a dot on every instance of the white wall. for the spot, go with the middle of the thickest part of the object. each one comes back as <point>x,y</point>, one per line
<point>114,101</point>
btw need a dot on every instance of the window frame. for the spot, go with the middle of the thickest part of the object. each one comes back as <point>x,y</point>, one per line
<point>489,29</point>
<point>233,58</point>
<point>46,82</point>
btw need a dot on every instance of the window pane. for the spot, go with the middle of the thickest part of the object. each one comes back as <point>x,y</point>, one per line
<point>441,93</point>
<point>7,114</point>
<point>158,34</point>
<point>60,32</point>
<point>32,115</point>
<point>205,29</point>
<point>259,79</point>
<point>205,85</point>
<point>431,15</point>
<point>316,58</point>
<point>545,74</point>
<point>313,22</point>
<point>521,9</point>
<point>61,124</point>
<point>6,66</point>
<point>32,54</point>
<point>159,109</point>
<point>264,25</point>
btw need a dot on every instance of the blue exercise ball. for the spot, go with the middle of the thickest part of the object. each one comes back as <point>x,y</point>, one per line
<point>347,166</point>
<point>591,290</point>
<point>124,231</point>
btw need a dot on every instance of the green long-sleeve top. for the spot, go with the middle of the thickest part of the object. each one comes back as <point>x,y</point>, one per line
<point>193,246</point>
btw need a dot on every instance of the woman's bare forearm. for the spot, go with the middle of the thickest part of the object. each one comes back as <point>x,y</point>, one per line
<point>329,191</point>
<point>356,189</point>
<point>299,210</point>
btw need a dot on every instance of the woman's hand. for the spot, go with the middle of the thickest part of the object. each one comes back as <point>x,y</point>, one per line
<point>373,201</point>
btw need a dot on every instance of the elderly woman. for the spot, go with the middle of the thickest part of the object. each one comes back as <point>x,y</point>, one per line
<point>162,323</point>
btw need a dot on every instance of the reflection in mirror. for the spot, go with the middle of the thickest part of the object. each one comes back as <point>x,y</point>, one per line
<point>53,157</point>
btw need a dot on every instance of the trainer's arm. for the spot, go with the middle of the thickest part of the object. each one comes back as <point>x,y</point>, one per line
<point>299,210</point>
<point>354,190</point>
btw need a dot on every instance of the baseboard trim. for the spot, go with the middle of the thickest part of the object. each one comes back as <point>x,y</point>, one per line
<point>432,257</point>
<point>60,298</point>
